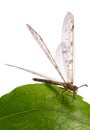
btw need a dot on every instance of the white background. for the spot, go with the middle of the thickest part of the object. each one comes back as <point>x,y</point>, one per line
<point>18,47</point>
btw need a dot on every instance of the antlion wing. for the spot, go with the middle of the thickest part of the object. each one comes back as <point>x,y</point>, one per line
<point>64,52</point>
<point>44,48</point>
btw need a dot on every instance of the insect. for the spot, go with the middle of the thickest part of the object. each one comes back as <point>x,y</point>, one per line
<point>64,51</point>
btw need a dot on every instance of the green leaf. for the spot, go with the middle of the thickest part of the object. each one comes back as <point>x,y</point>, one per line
<point>43,107</point>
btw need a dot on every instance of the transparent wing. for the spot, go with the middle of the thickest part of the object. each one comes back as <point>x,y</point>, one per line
<point>44,48</point>
<point>64,52</point>
<point>31,71</point>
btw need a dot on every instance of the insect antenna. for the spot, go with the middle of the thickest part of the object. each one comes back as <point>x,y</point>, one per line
<point>83,85</point>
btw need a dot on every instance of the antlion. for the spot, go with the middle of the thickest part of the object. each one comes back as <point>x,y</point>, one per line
<point>64,56</point>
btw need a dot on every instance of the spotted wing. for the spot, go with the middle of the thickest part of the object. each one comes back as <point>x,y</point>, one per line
<point>64,52</point>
